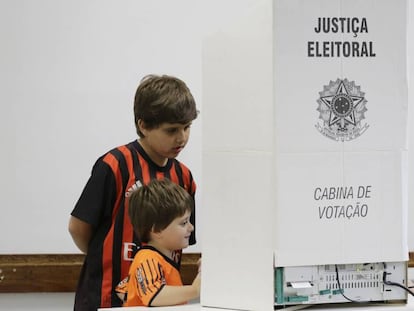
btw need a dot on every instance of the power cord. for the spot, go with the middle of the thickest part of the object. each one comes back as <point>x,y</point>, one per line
<point>384,280</point>
<point>342,290</point>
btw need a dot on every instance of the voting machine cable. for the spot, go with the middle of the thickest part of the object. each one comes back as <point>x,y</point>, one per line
<point>342,290</point>
<point>384,280</point>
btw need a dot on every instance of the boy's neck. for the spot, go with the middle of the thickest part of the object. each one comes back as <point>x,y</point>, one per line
<point>156,158</point>
<point>166,252</point>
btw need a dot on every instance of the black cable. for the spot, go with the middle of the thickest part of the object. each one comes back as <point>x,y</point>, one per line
<point>342,290</point>
<point>384,280</point>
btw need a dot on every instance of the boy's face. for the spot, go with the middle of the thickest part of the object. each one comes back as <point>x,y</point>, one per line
<point>177,234</point>
<point>164,142</point>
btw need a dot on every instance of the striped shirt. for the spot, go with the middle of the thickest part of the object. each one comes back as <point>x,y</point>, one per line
<point>103,204</point>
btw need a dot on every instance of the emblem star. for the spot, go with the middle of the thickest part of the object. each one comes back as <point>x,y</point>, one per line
<point>342,106</point>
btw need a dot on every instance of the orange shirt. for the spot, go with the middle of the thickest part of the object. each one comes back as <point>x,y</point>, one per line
<point>148,273</point>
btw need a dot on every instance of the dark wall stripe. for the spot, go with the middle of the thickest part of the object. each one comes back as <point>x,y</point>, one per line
<point>59,272</point>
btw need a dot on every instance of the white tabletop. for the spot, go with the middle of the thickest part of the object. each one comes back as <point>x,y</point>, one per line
<point>195,306</point>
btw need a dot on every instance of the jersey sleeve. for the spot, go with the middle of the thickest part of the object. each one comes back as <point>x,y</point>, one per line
<point>148,279</point>
<point>98,195</point>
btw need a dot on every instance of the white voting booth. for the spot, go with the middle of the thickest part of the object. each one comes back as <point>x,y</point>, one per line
<point>304,153</point>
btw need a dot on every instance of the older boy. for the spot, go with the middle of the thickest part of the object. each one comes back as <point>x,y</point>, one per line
<point>160,214</point>
<point>164,109</point>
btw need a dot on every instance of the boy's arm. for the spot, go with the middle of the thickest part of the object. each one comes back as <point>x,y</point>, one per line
<point>175,295</point>
<point>81,233</point>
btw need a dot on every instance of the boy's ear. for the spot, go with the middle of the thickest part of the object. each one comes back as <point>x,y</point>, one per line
<point>141,126</point>
<point>155,234</point>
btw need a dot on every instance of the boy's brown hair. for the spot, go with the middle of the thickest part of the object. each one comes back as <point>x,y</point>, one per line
<point>155,205</point>
<point>163,99</point>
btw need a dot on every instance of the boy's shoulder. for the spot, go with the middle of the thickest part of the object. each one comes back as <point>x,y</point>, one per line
<point>148,252</point>
<point>127,146</point>
<point>120,151</point>
<point>182,164</point>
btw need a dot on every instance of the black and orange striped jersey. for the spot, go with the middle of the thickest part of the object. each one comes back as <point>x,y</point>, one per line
<point>103,204</point>
<point>148,274</point>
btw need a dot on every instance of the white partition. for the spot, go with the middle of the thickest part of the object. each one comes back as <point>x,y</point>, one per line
<point>296,131</point>
<point>237,154</point>
<point>341,131</point>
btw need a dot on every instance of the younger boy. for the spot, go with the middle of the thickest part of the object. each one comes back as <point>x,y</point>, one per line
<point>160,214</point>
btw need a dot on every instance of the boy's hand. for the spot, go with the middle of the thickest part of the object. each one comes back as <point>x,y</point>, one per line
<point>199,265</point>
<point>197,284</point>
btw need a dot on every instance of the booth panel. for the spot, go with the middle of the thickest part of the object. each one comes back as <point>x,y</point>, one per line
<point>237,257</point>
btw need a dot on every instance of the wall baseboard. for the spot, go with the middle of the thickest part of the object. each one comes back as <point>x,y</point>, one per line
<point>39,272</point>
<point>60,272</point>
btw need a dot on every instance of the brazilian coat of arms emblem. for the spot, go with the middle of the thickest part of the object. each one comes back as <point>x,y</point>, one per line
<point>342,108</point>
